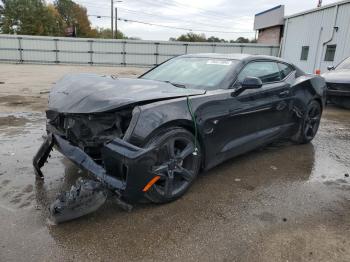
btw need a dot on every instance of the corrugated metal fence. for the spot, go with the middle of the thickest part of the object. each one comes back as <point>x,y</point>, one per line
<point>62,50</point>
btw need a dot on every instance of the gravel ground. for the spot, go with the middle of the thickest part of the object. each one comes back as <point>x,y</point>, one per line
<point>280,203</point>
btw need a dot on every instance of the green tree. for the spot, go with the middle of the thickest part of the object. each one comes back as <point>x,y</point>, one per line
<point>216,39</point>
<point>192,37</point>
<point>30,17</point>
<point>107,33</point>
<point>75,15</point>
<point>54,21</point>
<point>66,11</point>
<point>242,40</point>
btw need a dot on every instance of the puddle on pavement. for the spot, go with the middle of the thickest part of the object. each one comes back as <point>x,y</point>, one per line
<point>243,189</point>
<point>21,135</point>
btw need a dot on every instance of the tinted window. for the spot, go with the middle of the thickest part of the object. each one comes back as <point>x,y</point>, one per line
<point>266,71</point>
<point>304,53</point>
<point>330,53</point>
<point>285,70</point>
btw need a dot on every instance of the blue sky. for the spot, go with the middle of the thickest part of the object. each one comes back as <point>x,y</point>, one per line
<point>234,17</point>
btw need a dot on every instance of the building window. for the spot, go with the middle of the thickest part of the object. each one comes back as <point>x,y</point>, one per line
<point>330,53</point>
<point>304,53</point>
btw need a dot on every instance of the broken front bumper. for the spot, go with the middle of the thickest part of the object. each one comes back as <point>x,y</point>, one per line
<point>127,168</point>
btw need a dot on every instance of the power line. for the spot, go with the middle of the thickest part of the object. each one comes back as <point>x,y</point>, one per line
<point>199,8</point>
<point>219,17</point>
<point>183,28</point>
<point>166,18</point>
<point>175,4</point>
<point>169,18</point>
<point>173,27</point>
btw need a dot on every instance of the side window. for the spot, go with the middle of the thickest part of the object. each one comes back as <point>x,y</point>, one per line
<point>285,70</point>
<point>267,71</point>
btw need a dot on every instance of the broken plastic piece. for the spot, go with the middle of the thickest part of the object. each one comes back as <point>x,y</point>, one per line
<point>85,197</point>
<point>150,183</point>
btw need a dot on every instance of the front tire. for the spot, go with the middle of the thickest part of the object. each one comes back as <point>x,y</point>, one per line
<point>309,124</point>
<point>178,164</point>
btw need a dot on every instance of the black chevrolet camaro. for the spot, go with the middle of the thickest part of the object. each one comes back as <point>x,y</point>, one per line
<point>150,137</point>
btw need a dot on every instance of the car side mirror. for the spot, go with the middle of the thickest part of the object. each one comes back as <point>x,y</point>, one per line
<point>330,68</point>
<point>251,83</point>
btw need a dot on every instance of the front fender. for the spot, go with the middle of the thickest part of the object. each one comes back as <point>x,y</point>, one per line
<point>156,115</point>
<point>152,117</point>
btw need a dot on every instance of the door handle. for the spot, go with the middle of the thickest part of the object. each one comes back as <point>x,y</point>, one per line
<point>284,93</point>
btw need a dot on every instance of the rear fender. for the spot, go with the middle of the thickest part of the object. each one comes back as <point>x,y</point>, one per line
<point>307,88</point>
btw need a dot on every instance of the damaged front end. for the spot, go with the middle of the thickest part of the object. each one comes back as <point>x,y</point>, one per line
<point>94,142</point>
<point>91,121</point>
<point>89,131</point>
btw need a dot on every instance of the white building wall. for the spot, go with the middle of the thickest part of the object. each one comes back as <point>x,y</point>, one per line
<point>313,29</point>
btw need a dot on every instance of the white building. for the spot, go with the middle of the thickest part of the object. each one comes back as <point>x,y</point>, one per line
<point>317,38</point>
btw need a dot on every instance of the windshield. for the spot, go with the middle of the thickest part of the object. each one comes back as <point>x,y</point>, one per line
<point>345,64</point>
<point>193,72</point>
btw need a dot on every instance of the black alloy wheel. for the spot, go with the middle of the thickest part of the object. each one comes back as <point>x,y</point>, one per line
<point>178,164</point>
<point>310,123</point>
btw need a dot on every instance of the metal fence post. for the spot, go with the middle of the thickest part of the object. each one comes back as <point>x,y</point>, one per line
<point>124,53</point>
<point>157,53</point>
<point>20,49</point>
<point>91,52</point>
<point>56,50</point>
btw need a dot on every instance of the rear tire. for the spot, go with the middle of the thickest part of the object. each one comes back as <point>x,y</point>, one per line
<point>177,164</point>
<point>309,124</point>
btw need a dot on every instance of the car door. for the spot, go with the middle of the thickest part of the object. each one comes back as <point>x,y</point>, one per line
<point>255,116</point>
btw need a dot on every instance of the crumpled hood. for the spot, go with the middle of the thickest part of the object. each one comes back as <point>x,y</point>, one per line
<point>89,93</point>
<point>338,76</point>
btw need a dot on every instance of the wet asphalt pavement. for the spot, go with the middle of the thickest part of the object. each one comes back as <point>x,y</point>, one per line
<point>284,202</point>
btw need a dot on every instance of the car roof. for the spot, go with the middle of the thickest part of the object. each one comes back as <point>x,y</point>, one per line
<point>234,56</point>
<point>218,55</point>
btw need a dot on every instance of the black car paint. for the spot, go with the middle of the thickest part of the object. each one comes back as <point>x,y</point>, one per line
<point>229,123</point>
<point>89,93</point>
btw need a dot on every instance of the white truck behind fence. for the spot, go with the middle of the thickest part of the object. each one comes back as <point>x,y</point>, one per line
<point>63,50</point>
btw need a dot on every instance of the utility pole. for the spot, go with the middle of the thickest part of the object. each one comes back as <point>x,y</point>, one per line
<point>112,22</point>
<point>116,23</point>
<point>116,17</point>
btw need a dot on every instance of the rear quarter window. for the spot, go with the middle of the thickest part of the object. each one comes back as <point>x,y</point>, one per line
<point>267,71</point>
<point>285,70</point>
